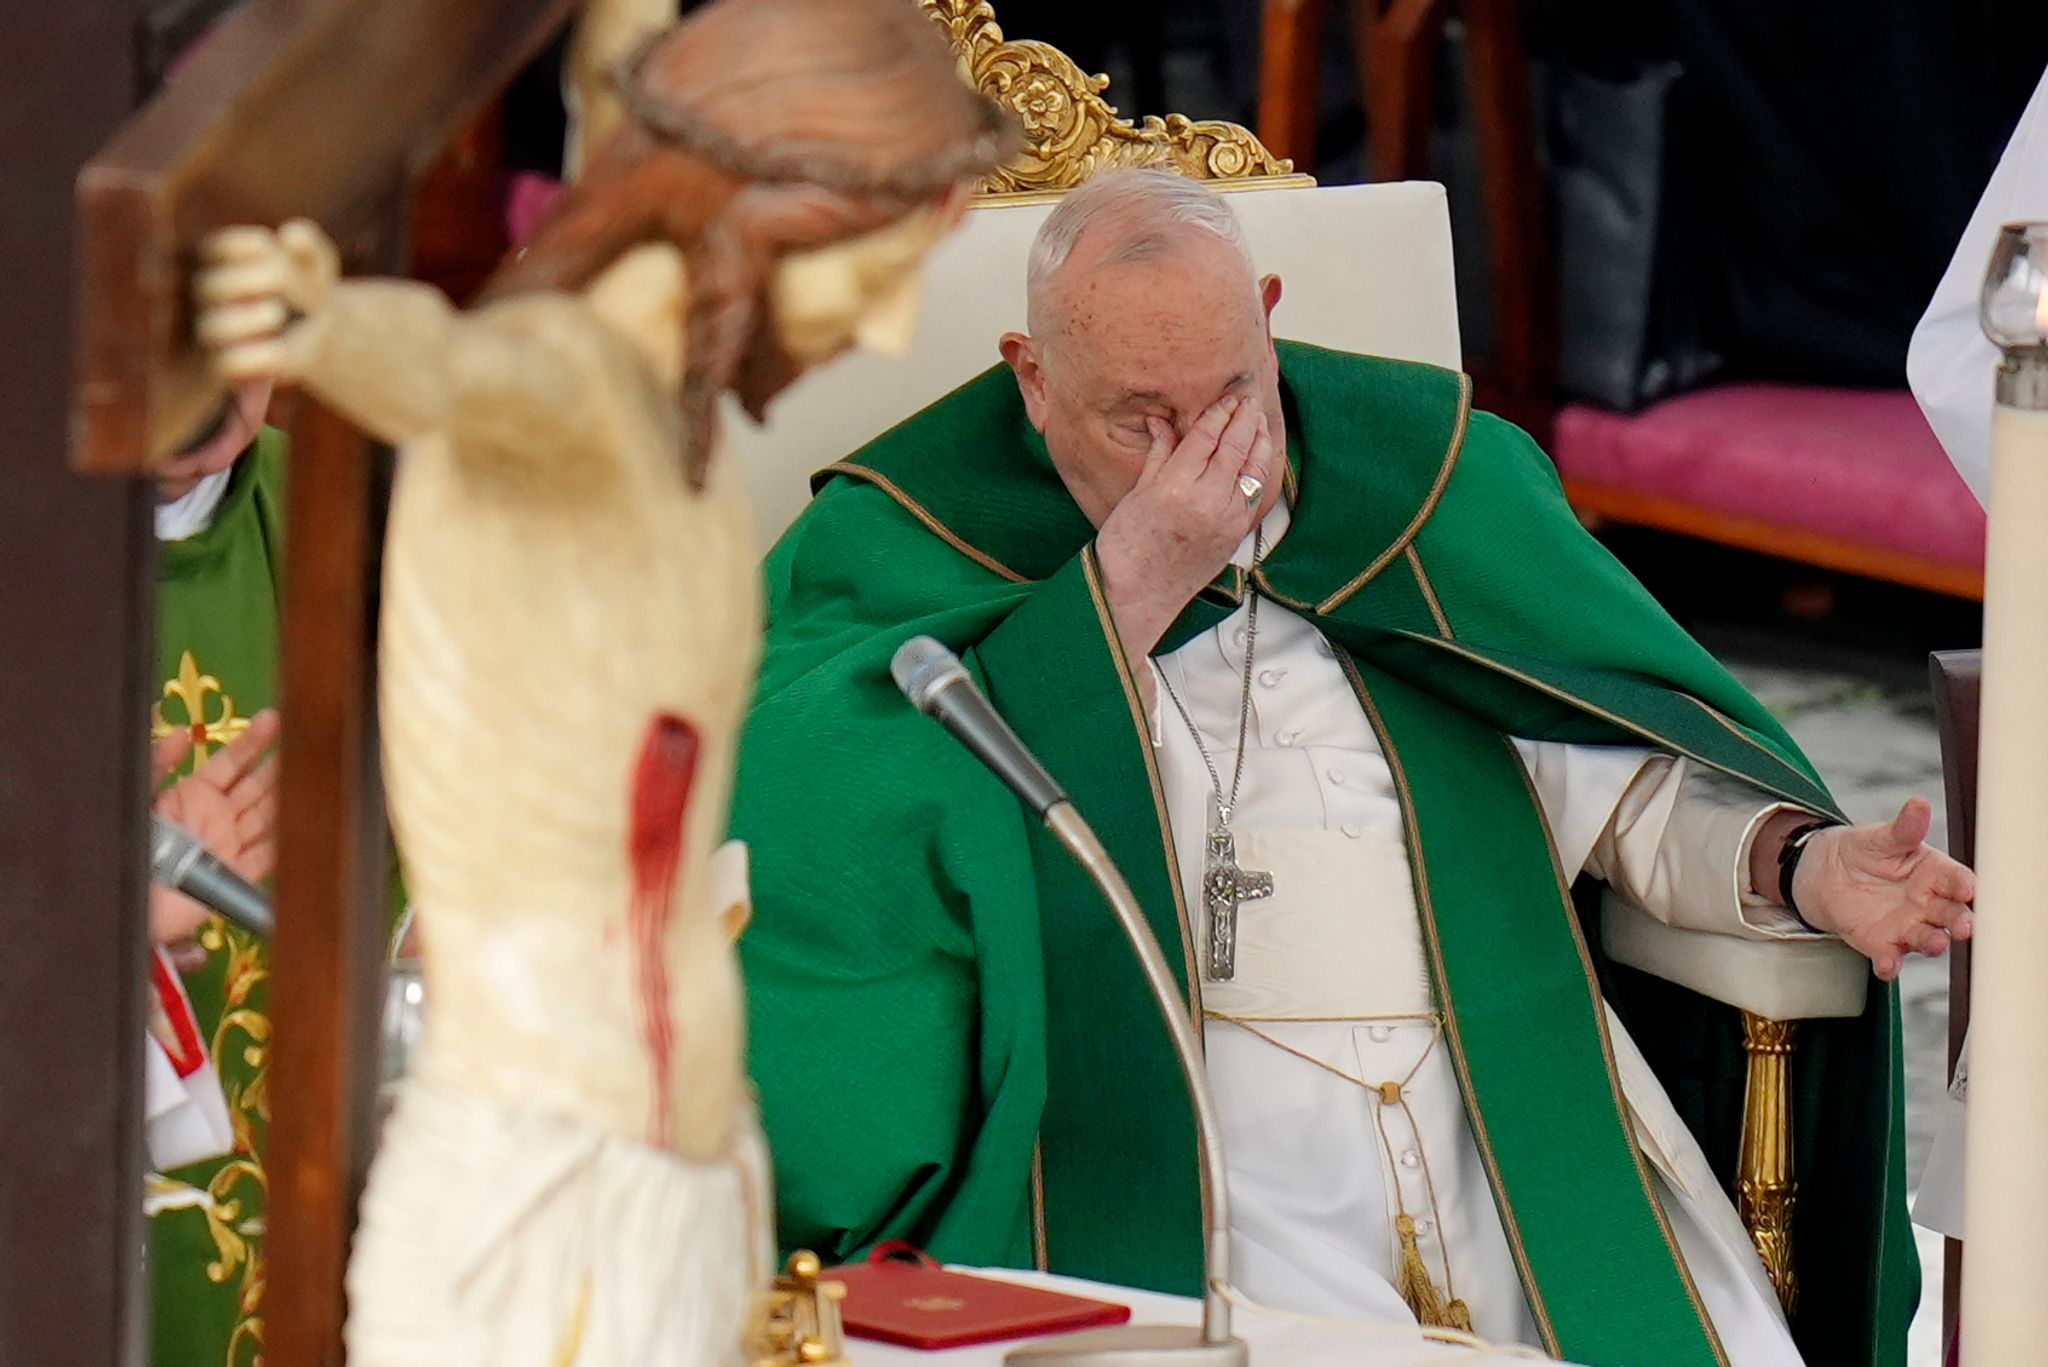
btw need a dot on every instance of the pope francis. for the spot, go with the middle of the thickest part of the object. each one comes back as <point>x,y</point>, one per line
<point>1363,713</point>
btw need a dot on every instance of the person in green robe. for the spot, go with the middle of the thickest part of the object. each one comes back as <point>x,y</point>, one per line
<point>1460,707</point>
<point>220,529</point>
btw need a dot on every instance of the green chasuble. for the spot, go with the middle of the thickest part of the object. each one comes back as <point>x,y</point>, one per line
<point>217,649</point>
<point>952,1042</point>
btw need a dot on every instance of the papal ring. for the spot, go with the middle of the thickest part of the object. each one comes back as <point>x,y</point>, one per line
<point>1251,487</point>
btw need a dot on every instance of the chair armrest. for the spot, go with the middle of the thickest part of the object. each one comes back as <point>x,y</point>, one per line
<point>1775,979</point>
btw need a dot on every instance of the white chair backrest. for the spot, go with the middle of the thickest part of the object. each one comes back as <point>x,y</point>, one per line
<point>1366,268</point>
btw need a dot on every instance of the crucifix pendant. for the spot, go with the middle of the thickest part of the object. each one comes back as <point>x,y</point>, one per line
<point>1225,887</point>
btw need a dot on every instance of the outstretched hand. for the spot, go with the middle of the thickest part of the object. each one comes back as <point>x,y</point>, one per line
<point>1883,890</point>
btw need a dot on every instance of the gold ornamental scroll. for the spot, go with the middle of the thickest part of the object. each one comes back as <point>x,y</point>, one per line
<point>1072,133</point>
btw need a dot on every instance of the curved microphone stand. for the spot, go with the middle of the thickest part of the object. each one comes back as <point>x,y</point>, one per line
<point>936,683</point>
<point>1155,1345</point>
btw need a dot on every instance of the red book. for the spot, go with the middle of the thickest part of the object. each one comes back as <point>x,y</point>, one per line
<point>901,1296</point>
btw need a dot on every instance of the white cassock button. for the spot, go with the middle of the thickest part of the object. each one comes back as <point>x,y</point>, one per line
<point>1410,1159</point>
<point>1337,777</point>
<point>1353,829</point>
<point>1289,736</point>
<point>1270,678</point>
<point>1237,637</point>
<point>1423,1227</point>
<point>1381,1033</point>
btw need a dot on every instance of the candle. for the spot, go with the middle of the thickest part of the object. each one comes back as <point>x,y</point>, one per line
<point>2005,1310</point>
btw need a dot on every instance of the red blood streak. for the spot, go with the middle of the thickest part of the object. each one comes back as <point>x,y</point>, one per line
<point>661,798</point>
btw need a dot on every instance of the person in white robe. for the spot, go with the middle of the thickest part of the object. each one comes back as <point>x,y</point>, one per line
<point>1950,362</point>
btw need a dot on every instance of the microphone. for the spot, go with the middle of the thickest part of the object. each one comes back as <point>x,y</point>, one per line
<point>178,861</point>
<point>937,685</point>
<point>932,678</point>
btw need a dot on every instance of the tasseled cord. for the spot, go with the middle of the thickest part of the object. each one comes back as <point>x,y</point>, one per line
<point>1416,1288</point>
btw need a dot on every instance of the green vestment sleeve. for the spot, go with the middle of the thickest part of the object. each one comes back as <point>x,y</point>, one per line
<point>895,1007</point>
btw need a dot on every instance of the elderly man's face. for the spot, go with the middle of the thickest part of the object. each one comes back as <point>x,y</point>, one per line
<point>1161,337</point>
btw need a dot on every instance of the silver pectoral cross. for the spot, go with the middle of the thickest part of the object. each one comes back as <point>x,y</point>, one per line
<point>1225,887</point>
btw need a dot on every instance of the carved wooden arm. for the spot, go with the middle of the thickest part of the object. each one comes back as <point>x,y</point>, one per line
<point>518,379</point>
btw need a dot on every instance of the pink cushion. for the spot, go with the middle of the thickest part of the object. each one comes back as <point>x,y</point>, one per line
<point>528,198</point>
<point>1857,464</point>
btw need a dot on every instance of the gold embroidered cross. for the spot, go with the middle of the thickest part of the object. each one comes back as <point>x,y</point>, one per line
<point>191,689</point>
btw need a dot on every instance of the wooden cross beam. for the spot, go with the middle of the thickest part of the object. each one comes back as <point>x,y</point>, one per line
<point>330,110</point>
<point>322,109</point>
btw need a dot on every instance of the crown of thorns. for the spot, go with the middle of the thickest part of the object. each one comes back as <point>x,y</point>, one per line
<point>696,135</point>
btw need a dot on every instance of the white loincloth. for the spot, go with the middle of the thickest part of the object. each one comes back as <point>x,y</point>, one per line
<point>494,1239</point>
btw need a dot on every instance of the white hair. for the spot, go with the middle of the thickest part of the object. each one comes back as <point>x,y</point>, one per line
<point>1145,207</point>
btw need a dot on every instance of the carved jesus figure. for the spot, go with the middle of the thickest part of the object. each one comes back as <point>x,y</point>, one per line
<point>570,622</point>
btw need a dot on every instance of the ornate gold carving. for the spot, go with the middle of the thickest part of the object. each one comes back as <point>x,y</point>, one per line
<point>1071,132</point>
<point>239,1188</point>
<point>798,1321</point>
<point>190,690</point>
<point>1765,1191</point>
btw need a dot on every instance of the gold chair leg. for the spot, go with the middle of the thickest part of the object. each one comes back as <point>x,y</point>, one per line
<point>1765,1190</point>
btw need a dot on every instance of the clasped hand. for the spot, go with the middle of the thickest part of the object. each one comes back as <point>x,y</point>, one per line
<point>261,294</point>
<point>1180,523</point>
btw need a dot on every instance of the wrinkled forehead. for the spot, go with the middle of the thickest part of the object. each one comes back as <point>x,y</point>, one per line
<point>1187,321</point>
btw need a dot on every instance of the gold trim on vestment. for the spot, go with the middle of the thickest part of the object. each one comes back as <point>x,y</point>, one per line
<point>1436,609</point>
<point>1040,1258</point>
<point>1422,514</point>
<point>1644,732</point>
<point>1453,1036</point>
<point>1265,586</point>
<point>1727,724</point>
<point>918,511</point>
<point>1622,1110</point>
<point>1143,724</point>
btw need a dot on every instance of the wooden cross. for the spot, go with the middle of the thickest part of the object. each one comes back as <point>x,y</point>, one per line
<point>330,110</point>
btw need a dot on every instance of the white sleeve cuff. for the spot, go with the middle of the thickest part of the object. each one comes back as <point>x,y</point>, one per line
<point>185,1120</point>
<point>1761,915</point>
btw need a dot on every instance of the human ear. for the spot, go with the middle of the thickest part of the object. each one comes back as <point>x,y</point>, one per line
<point>1020,352</point>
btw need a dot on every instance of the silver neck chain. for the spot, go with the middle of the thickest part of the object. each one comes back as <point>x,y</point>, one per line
<point>1226,802</point>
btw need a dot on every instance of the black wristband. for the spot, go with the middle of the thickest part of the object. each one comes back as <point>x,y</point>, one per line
<point>1789,855</point>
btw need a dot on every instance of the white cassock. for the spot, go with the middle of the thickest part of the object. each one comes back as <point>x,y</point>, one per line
<point>1950,362</point>
<point>1332,991</point>
<point>184,1112</point>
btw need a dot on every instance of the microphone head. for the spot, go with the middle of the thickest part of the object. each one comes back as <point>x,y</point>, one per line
<point>922,667</point>
<point>170,844</point>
